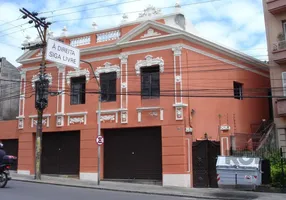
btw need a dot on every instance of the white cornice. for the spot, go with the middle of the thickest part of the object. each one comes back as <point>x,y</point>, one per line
<point>76,113</point>
<point>111,111</point>
<point>148,108</point>
<point>44,115</point>
<point>158,48</point>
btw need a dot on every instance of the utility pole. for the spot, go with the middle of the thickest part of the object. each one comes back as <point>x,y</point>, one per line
<point>41,100</point>
<point>98,120</point>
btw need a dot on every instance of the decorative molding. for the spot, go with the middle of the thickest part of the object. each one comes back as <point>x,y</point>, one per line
<point>109,115</point>
<point>80,41</point>
<point>105,118</point>
<point>23,73</point>
<point>76,113</point>
<point>139,116</point>
<point>59,119</point>
<point>23,59</point>
<point>77,73</point>
<point>76,120</point>
<point>35,122</point>
<point>124,85</point>
<point>36,78</point>
<point>45,120</point>
<point>22,96</point>
<point>179,113</point>
<point>150,11</point>
<point>61,68</point>
<point>20,123</point>
<point>108,36</point>
<point>180,105</point>
<point>111,111</point>
<point>150,33</point>
<point>108,68</point>
<point>178,79</point>
<point>177,50</point>
<point>124,117</point>
<point>148,62</point>
<point>148,108</point>
<point>75,117</point>
<point>152,113</point>
<point>123,58</point>
<point>161,114</point>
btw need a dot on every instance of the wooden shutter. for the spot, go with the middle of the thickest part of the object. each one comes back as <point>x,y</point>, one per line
<point>155,84</point>
<point>82,92</point>
<point>145,85</point>
<point>103,87</point>
<point>112,86</point>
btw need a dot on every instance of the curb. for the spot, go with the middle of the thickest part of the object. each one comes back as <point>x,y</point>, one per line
<point>123,190</point>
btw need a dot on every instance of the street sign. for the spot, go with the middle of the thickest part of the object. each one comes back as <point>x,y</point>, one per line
<point>99,140</point>
<point>61,53</point>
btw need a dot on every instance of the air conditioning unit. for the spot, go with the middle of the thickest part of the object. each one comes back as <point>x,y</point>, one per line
<point>224,128</point>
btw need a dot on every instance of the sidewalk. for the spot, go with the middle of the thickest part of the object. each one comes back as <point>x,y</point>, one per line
<point>198,193</point>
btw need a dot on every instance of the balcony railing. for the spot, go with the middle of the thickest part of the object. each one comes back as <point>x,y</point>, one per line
<point>281,45</point>
<point>111,35</point>
<point>281,107</point>
<point>80,41</point>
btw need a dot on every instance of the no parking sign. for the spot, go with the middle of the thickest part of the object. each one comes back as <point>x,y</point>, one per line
<point>99,140</point>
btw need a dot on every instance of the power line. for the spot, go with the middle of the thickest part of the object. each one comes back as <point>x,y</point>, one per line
<point>94,8</point>
<point>132,12</point>
<point>67,8</point>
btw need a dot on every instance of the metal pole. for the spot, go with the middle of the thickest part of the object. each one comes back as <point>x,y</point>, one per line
<point>98,120</point>
<point>40,113</point>
<point>282,169</point>
<point>99,133</point>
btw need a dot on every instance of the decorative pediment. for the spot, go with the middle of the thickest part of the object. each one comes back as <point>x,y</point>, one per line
<point>148,62</point>
<point>77,73</point>
<point>36,78</point>
<point>150,33</point>
<point>147,29</point>
<point>107,68</point>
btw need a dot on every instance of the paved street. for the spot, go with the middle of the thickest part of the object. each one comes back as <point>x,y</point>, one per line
<point>31,191</point>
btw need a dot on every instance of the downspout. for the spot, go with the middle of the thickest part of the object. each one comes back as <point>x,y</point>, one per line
<point>189,112</point>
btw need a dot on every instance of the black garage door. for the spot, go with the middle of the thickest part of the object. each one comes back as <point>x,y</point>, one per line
<point>61,153</point>
<point>11,148</point>
<point>133,154</point>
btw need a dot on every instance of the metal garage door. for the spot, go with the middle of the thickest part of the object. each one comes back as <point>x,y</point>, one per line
<point>61,153</point>
<point>11,148</point>
<point>205,154</point>
<point>133,154</point>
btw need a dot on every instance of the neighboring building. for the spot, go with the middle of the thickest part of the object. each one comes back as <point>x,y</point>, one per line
<point>155,119</point>
<point>9,90</point>
<point>9,106</point>
<point>275,22</point>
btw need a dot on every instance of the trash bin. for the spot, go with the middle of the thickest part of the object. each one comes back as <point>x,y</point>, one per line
<point>238,172</point>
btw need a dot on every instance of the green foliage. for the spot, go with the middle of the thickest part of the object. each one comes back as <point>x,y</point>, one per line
<point>276,169</point>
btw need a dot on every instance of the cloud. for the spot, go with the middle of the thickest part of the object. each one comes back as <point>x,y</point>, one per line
<point>234,24</point>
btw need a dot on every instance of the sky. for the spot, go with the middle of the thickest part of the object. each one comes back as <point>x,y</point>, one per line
<point>237,24</point>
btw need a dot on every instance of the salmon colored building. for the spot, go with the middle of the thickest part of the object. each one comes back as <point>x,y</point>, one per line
<point>164,89</point>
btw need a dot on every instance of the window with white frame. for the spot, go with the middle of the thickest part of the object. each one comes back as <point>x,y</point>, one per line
<point>284,83</point>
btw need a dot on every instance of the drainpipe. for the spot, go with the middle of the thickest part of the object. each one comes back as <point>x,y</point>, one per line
<point>98,120</point>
